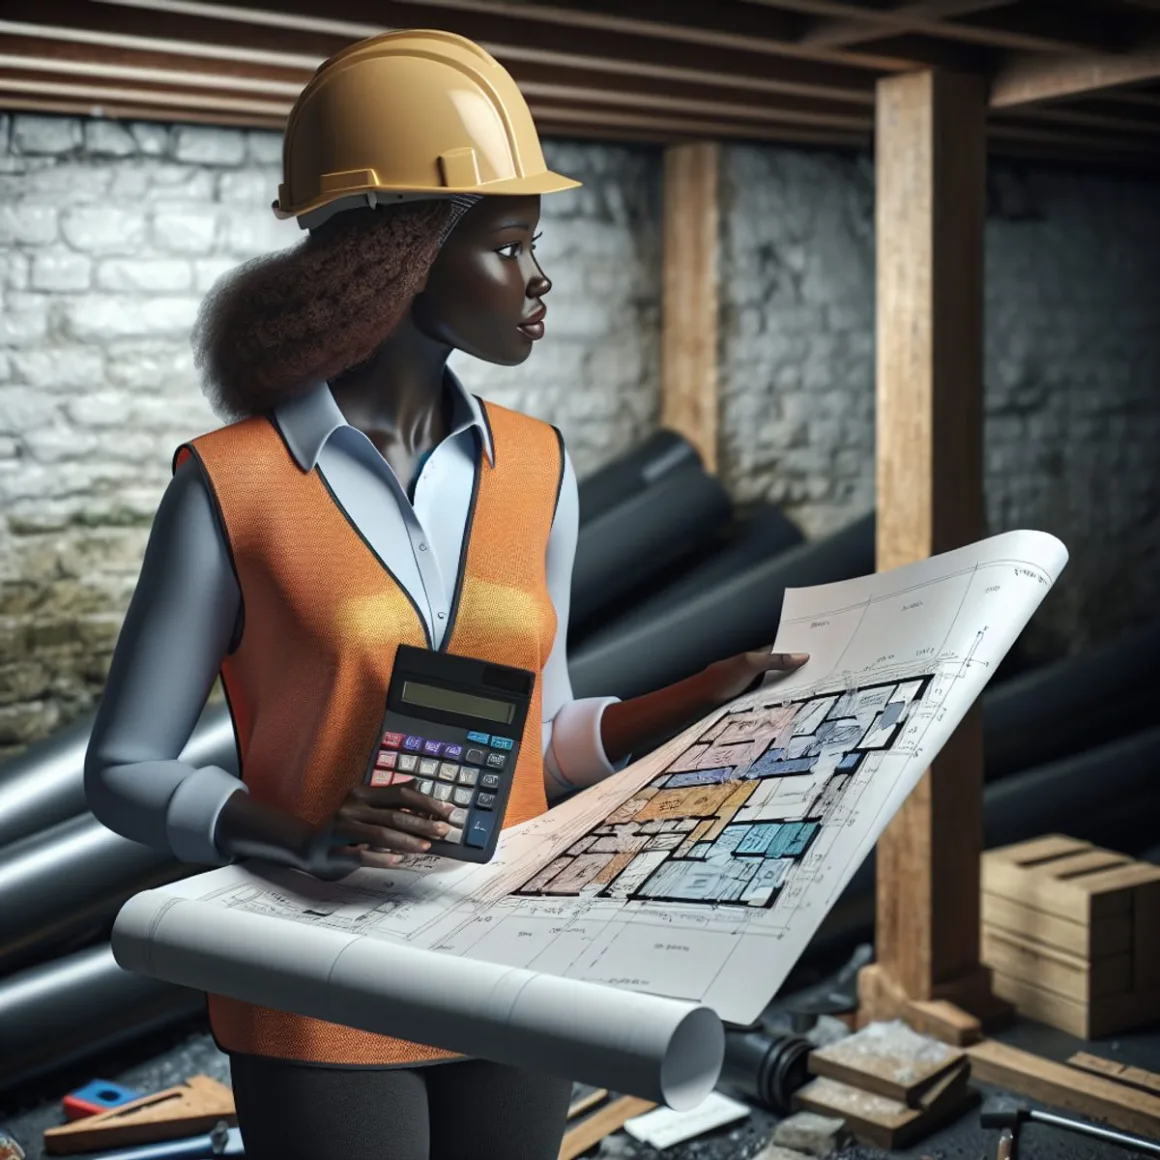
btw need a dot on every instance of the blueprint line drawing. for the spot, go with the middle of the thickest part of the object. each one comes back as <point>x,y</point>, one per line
<point>698,874</point>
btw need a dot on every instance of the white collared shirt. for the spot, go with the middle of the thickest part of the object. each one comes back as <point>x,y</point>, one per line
<point>187,605</point>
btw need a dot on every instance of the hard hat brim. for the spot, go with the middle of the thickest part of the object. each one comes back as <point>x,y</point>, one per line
<point>532,184</point>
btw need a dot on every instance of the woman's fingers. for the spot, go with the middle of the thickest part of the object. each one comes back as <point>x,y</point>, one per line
<point>403,796</point>
<point>380,859</point>
<point>770,661</point>
<point>356,831</point>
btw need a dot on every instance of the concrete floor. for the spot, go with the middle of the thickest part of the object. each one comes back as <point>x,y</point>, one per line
<point>167,1058</point>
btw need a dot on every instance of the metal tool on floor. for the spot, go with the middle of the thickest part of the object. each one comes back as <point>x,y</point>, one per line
<point>1010,1120</point>
<point>223,1141</point>
<point>839,997</point>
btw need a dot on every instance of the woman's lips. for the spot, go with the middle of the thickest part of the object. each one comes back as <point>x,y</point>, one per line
<point>534,327</point>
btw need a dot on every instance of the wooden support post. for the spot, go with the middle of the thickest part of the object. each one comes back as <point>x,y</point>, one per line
<point>690,296</point>
<point>930,173</point>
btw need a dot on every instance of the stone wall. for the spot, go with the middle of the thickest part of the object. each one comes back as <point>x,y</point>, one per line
<point>1072,365</point>
<point>109,237</point>
<point>111,234</point>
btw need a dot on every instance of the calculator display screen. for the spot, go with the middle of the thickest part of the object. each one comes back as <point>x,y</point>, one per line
<point>433,697</point>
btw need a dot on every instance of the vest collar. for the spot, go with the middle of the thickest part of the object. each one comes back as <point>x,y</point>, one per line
<point>307,422</point>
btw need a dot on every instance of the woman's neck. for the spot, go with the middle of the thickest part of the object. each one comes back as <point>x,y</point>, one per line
<point>396,398</point>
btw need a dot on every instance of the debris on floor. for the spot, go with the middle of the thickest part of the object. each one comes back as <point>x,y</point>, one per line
<point>812,1134</point>
<point>663,1127</point>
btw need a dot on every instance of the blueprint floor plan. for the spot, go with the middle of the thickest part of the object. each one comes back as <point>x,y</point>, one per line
<point>741,808</point>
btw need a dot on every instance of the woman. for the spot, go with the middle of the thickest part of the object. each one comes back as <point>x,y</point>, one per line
<point>362,499</point>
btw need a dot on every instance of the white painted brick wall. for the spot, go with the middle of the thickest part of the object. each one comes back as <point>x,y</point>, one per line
<point>110,234</point>
<point>109,237</point>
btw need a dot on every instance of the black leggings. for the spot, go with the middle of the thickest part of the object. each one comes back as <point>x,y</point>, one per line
<point>470,1110</point>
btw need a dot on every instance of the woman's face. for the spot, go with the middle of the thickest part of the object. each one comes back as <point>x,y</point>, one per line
<point>484,292</point>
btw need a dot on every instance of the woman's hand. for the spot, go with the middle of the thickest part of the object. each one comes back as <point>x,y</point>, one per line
<point>386,822</point>
<point>738,674</point>
<point>374,826</point>
<point>628,726</point>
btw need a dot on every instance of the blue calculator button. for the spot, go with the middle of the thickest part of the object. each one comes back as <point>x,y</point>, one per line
<point>453,752</point>
<point>433,748</point>
<point>478,833</point>
<point>502,743</point>
<point>482,738</point>
<point>414,743</point>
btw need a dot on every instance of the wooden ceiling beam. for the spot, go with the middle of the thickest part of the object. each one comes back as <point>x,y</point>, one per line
<point>178,102</point>
<point>153,70</point>
<point>70,59</point>
<point>838,24</point>
<point>512,38</point>
<point>46,50</point>
<point>1083,119</point>
<point>701,129</point>
<point>1026,79</point>
<point>300,41</point>
<point>18,100</point>
<point>725,24</point>
<point>1104,142</point>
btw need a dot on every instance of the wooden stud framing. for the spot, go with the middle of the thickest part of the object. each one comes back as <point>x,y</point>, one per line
<point>930,172</point>
<point>690,296</point>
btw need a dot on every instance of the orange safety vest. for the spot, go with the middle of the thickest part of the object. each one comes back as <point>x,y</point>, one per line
<point>307,684</point>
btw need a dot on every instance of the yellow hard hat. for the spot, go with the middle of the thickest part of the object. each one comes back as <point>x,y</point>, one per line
<point>406,115</point>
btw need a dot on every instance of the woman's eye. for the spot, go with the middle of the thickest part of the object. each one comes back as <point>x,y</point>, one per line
<point>514,249</point>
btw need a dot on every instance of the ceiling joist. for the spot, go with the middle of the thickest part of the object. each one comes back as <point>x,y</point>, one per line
<point>1065,74</point>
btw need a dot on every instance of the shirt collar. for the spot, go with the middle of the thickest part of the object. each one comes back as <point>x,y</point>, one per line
<point>308,421</point>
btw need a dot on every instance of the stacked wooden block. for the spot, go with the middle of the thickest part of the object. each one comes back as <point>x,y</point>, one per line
<point>890,1085</point>
<point>1072,934</point>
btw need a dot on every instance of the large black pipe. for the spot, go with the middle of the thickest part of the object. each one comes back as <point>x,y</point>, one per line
<point>643,536</point>
<point>628,474</point>
<point>1067,707</point>
<point>759,533</point>
<point>45,784</point>
<point>79,1006</point>
<point>740,613</point>
<point>75,1007</point>
<point>67,882</point>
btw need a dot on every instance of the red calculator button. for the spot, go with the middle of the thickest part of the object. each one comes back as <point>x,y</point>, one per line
<point>392,740</point>
<point>386,759</point>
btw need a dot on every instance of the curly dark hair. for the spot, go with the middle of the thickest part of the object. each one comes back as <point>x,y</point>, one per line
<point>278,324</point>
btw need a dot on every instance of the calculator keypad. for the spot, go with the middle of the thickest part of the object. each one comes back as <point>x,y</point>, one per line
<point>468,776</point>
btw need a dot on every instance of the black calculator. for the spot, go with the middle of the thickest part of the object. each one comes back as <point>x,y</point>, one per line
<point>452,729</point>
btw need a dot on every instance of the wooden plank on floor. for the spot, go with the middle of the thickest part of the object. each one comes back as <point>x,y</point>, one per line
<point>1067,1088</point>
<point>591,1131</point>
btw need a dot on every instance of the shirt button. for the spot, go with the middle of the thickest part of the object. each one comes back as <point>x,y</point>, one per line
<point>422,547</point>
<point>441,615</point>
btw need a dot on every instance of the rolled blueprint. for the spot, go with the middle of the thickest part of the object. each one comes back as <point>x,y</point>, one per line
<point>660,1049</point>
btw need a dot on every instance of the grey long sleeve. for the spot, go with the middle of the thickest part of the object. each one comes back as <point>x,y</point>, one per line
<point>175,634</point>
